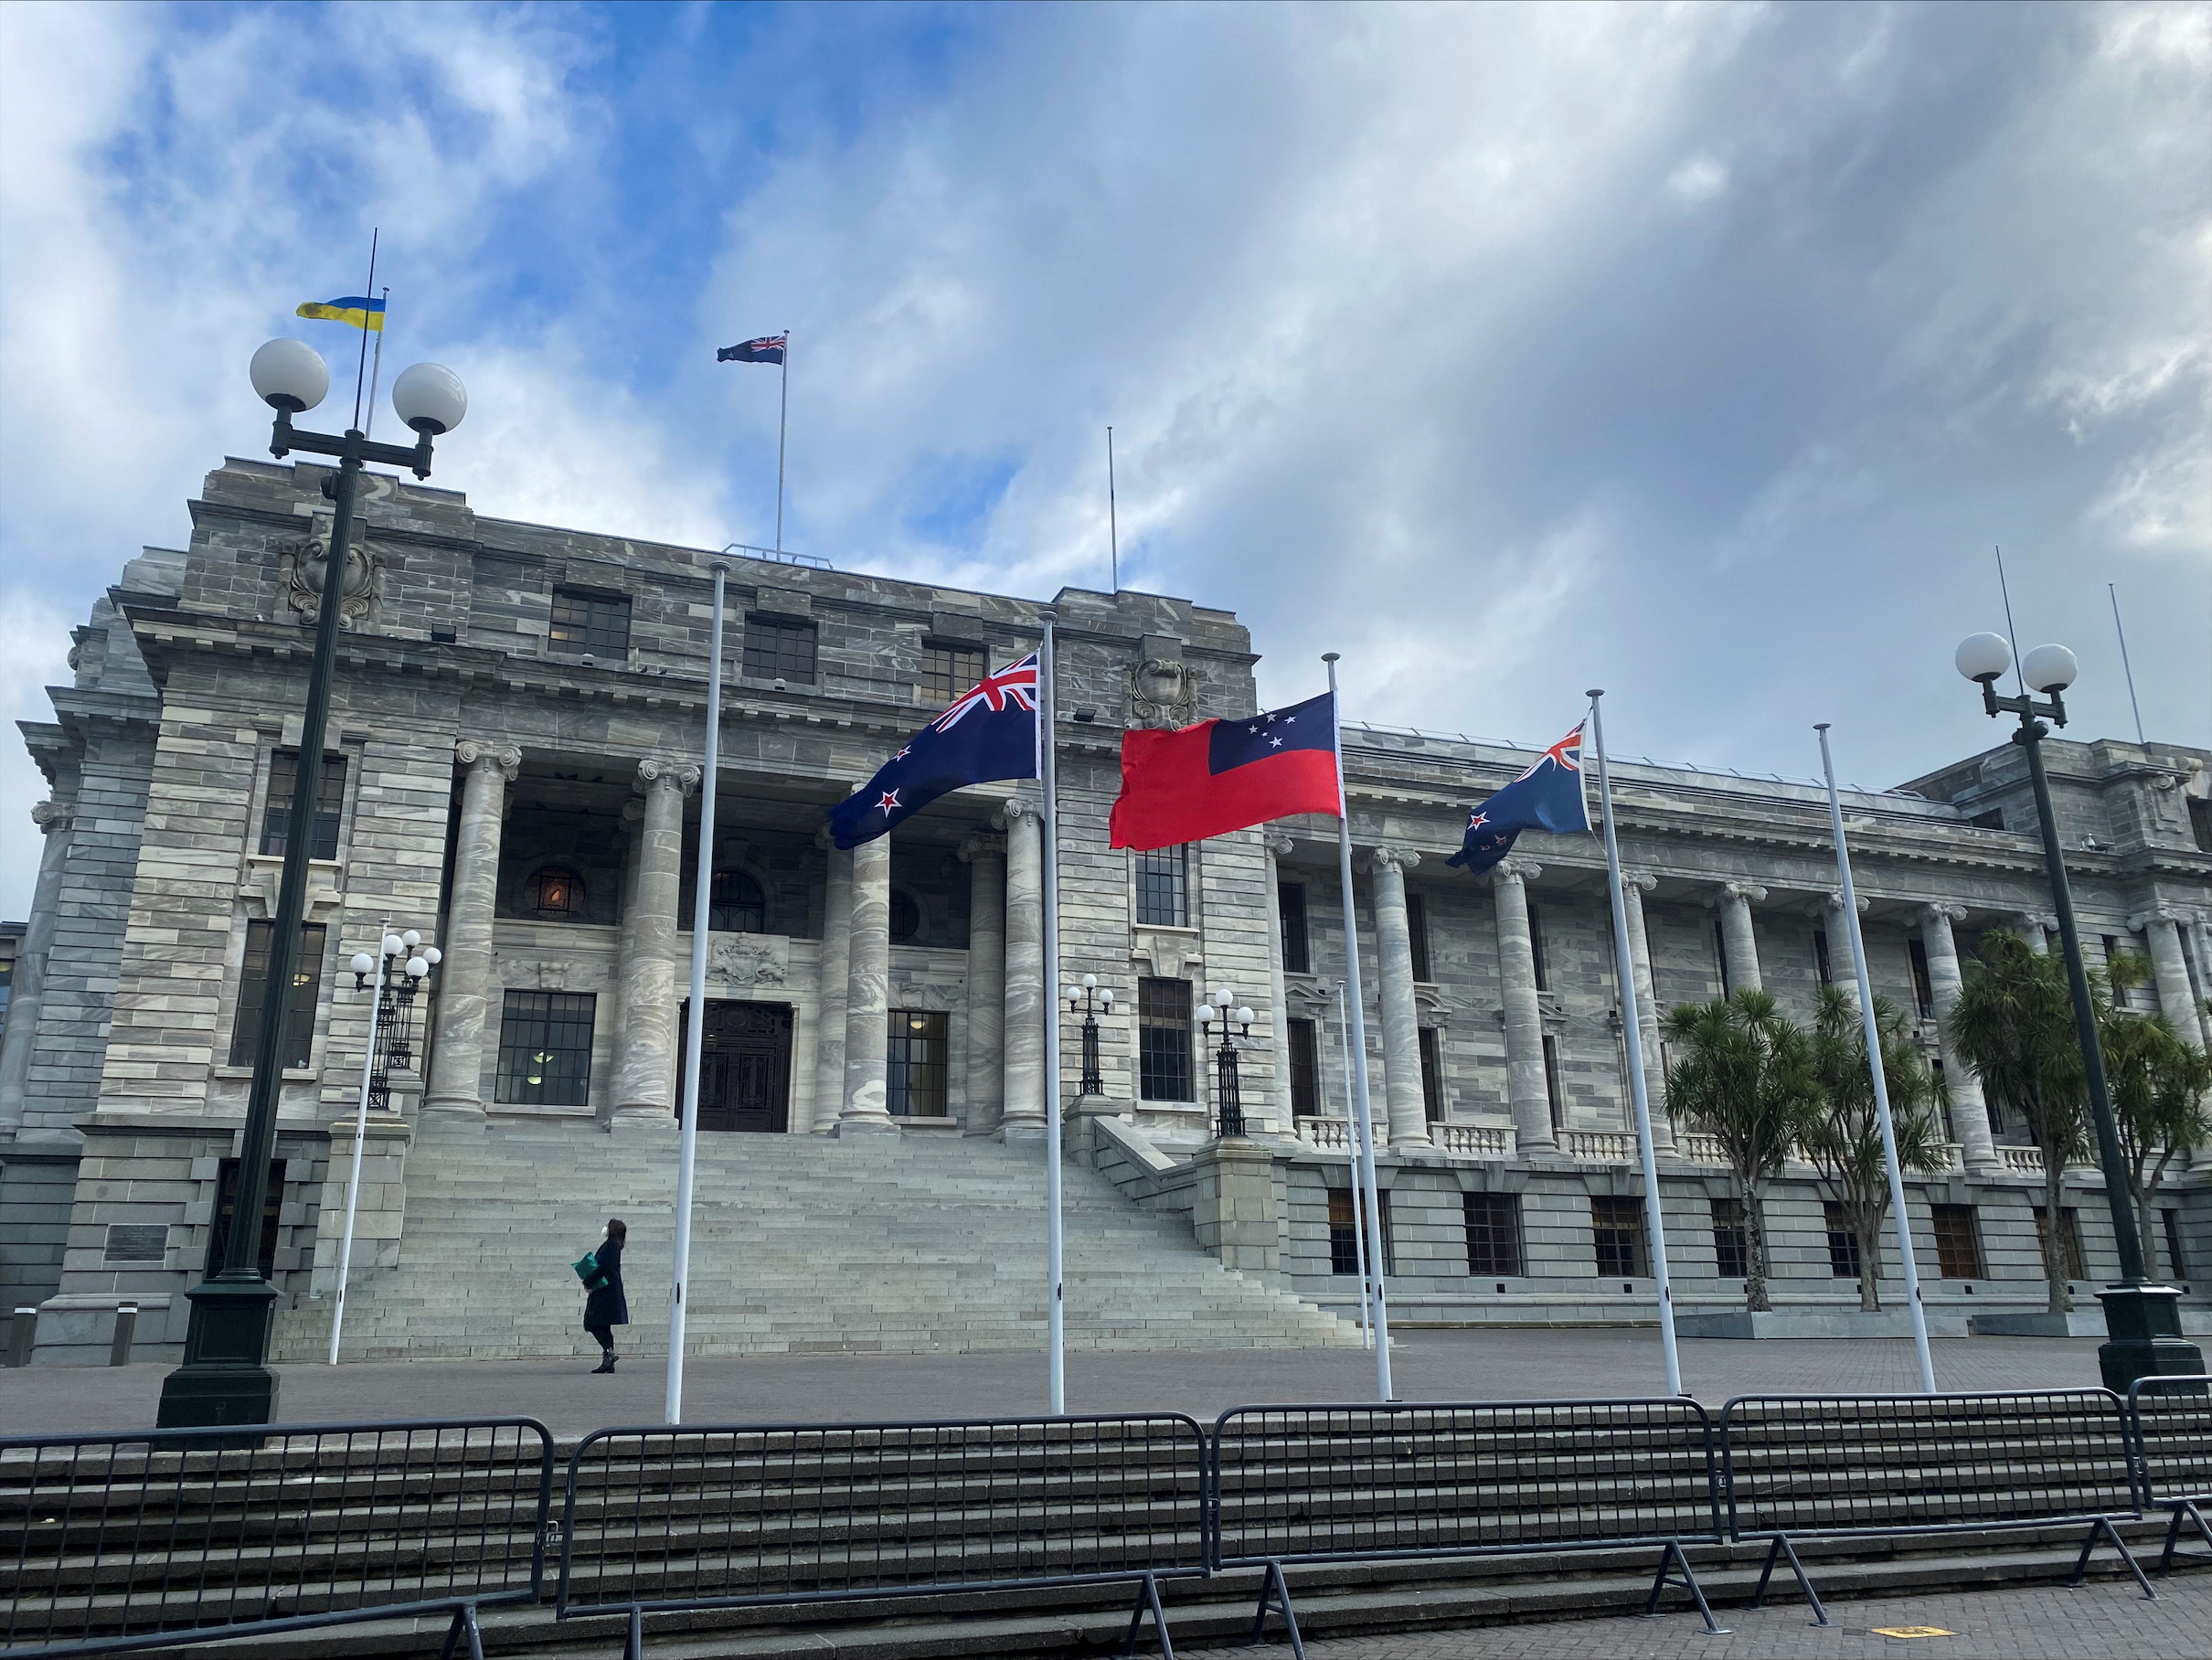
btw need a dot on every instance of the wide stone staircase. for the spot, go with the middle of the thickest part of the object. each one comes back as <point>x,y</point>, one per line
<point>800,1244</point>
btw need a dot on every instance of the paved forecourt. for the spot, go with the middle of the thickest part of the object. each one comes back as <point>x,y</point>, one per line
<point>1465,1364</point>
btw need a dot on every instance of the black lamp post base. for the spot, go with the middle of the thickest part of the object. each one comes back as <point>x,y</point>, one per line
<point>225,1378</point>
<point>2146,1341</point>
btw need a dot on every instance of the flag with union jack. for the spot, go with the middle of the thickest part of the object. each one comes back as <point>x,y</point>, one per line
<point>1548,796</point>
<point>769,348</point>
<point>989,731</point>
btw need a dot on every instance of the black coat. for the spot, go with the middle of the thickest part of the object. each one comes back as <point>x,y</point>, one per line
<point>606,1306</point>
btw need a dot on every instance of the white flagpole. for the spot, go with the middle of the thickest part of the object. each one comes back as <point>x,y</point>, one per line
<point>375,374</point>
<point>1353,1002</point>
<point>1048,998</point>
<point>1624,976</point>
<point>1359,1143</point>
<point>783,421</point>
<point>1881,1082</point>
<point>353,1187</point>
<point>694,1024</point>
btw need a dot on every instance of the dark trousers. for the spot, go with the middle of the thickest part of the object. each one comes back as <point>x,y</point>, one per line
<point>605,1334</point>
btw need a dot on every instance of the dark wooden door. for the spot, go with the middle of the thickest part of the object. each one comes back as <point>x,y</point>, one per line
<point>744,1068</point>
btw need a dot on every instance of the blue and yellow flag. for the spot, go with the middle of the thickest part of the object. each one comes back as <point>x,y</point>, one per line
<point>354,309</point>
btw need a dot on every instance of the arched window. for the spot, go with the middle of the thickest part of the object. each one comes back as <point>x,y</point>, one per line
<point>906,918</point>
<point>555,891</point>
<point>735,904</point>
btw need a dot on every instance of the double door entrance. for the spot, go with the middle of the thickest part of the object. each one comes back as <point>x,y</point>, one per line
<point>744,1066</point>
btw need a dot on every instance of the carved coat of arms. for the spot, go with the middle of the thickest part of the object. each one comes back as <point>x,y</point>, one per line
<point>303,561</point>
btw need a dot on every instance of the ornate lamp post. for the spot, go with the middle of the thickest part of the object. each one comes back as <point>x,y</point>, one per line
<point>1089,1002</point>
<point>2142,1322</point>
<point>407,962</point>
<point>1227,1091</point>
<point>225,1377</point>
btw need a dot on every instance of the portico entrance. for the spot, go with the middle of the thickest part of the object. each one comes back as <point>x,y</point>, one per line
<point>744,1066</point>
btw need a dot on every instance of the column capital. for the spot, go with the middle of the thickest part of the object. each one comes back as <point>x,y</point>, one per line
<point>2045,919</point>
<point>1942,910</point>
<point>487,753</point>
<point>1278,845</point>
<point>51,815</point>
<point>1514,868</point>
<point>1750,893</point>
<point>1391,856</point>
<point>1832,900</point>
<point>682,776</point>
<point>981,844</point>
<point>1011,813</point>
<point>2141,922</point>
<point>1642,881</point>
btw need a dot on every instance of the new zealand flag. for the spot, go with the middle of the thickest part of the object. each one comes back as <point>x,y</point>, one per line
<point>769,348</point>
<point>1549,796</point>
<point>990,732</point>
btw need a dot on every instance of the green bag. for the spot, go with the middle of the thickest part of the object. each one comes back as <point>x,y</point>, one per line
<point>586,1266</point>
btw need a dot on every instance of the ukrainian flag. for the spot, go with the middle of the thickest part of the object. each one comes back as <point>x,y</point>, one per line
<point>355,309</point>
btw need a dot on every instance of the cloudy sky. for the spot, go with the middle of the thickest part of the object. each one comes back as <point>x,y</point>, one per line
<point>1702,352</point>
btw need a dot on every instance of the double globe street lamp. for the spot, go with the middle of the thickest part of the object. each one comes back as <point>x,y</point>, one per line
<point>1228,1091</point>
<point>225,1377</point>
<point>2142,1322</point>
<point>1090,1001</point>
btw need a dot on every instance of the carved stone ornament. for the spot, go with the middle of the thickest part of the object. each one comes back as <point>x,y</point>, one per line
<point>1162,693</point>
<point>681,775</point>
<point>303,561</point>
<point>480,751</point>
<point>749,960</point>
<point>50,817</point>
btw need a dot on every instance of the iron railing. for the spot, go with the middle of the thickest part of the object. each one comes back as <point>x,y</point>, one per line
<point>156,1537</point>
<point>2170,1425</point>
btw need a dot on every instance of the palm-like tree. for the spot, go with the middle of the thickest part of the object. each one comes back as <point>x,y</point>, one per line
<point>2014,1024</point>
<point>1744,1074</point>
<point>2159,1087</point>
<point>1845,1140</point>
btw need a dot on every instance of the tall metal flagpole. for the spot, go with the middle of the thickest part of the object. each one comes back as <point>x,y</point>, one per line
<point>361,368</point>
<point>376,373</point>
<point>695,1024</point>
<point>1639,1093</point>
<point>2126,667</point>
<point>782,424</point>
<point>1872,1028</point>
<point>1113,525</point>
<point>1363,1117</point>
<point>353,1184</point>
<point>1047,781</point>
<point>1359,1146</point>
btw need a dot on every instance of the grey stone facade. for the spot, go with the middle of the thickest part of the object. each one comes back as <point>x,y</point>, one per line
<point>521,790</point>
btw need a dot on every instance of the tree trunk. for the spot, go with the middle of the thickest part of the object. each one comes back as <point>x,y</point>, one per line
<point>2054,1234</point>
<point>1755,1248</point>
<point>1869,1231</point>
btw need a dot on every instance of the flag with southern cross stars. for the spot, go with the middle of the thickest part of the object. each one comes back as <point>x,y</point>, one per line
<point>769,348</point>
<point>1227,774</point>
<point>987,733</point>
<point>1549,796</point>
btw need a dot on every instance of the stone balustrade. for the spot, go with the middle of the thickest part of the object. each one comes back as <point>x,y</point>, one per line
<point>1598,1146</point>
<point>1479,1141</point>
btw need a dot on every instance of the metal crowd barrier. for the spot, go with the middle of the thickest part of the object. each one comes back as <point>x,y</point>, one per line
<point>1802,1466</point>
<point>2170,1421</point>
<point>161,1536</point>
<point>1329,1484</point>
<point>660,1518</point>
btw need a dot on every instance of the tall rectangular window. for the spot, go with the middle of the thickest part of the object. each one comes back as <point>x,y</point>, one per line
<point>1555,1087</point>
<point>330,805</point>
<point>780,648</point>
<point>1843,1244</point>
<point>1616,1226</point>
<point>1433,1074</point>
<point>1416,933</point>
<point>588,625</point>
<point>948,671</point>
<point>545,1049</point>
<point>915,1063</point>
<point>2177,1261</point>
<point>1164,1011</point>
<point>1346,1216</point>
<point>1820,957</point>
<point>1494,1234</point>
<point>253,995</point>
<point>1305,1068</point>
<point>2069,1240</point>
<point>1732,1239</point>
<point>1923,987</point>
<point>1538,957</point>
<point>1958,1242</point>
<point>1164,888</point>
<point>1289,901</point>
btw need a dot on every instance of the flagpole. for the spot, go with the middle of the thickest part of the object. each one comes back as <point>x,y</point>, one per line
<point>1872,1027</point>
<point>1356,1004</point>
<point>353,1184</point>
<point>1048,999</point>
<point>694,1024</point>
<point>1359,1237</point>
<point>1624,976</point>
<point>782,423</point>
<point>367,293</point>
<point>1113,526</point>
<point>376,375</point>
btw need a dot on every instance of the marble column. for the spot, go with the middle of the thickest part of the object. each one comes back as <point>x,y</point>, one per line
<point>1526,1092</point>
<point>1635,885</point>
<point>644,1041</point>
<point>2161,929</point>
<point>1386,867</point>
<point>464,977</point>
<point>986,859</point>
<point>868,994</point>
<point>1738,943</point>
<point>1969,1110</point>
<point>1843,962</point>
<point>1279,1112</point>
<point>28,996</point>
<point>1023,1117</point>
<point>2035,927</point>
<point>835,965</point>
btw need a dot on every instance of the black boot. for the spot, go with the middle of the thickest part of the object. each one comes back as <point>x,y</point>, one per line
<point>606,1363</point>
<point>611,1358</point>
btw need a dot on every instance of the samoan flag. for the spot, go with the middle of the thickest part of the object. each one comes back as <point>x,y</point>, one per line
<point>1549,796</point>
<point>989,733</point>
<point>769,348</point>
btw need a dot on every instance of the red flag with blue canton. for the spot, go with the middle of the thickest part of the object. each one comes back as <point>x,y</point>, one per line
<point>1223,775</point>
<point>1549,796</point>
<point>988,732</point>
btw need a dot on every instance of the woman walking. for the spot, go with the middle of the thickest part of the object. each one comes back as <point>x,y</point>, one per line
<point>605,1308</point>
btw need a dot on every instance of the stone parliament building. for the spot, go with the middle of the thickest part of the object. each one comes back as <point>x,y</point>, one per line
<point>512,771</point>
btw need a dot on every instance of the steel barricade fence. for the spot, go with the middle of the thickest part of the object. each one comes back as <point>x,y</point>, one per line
<point>162,1537</point>
<point>2170,1427</point>
<point>1796,1466</point>
<point>1338,1482</point>
<point>659,1517</point>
